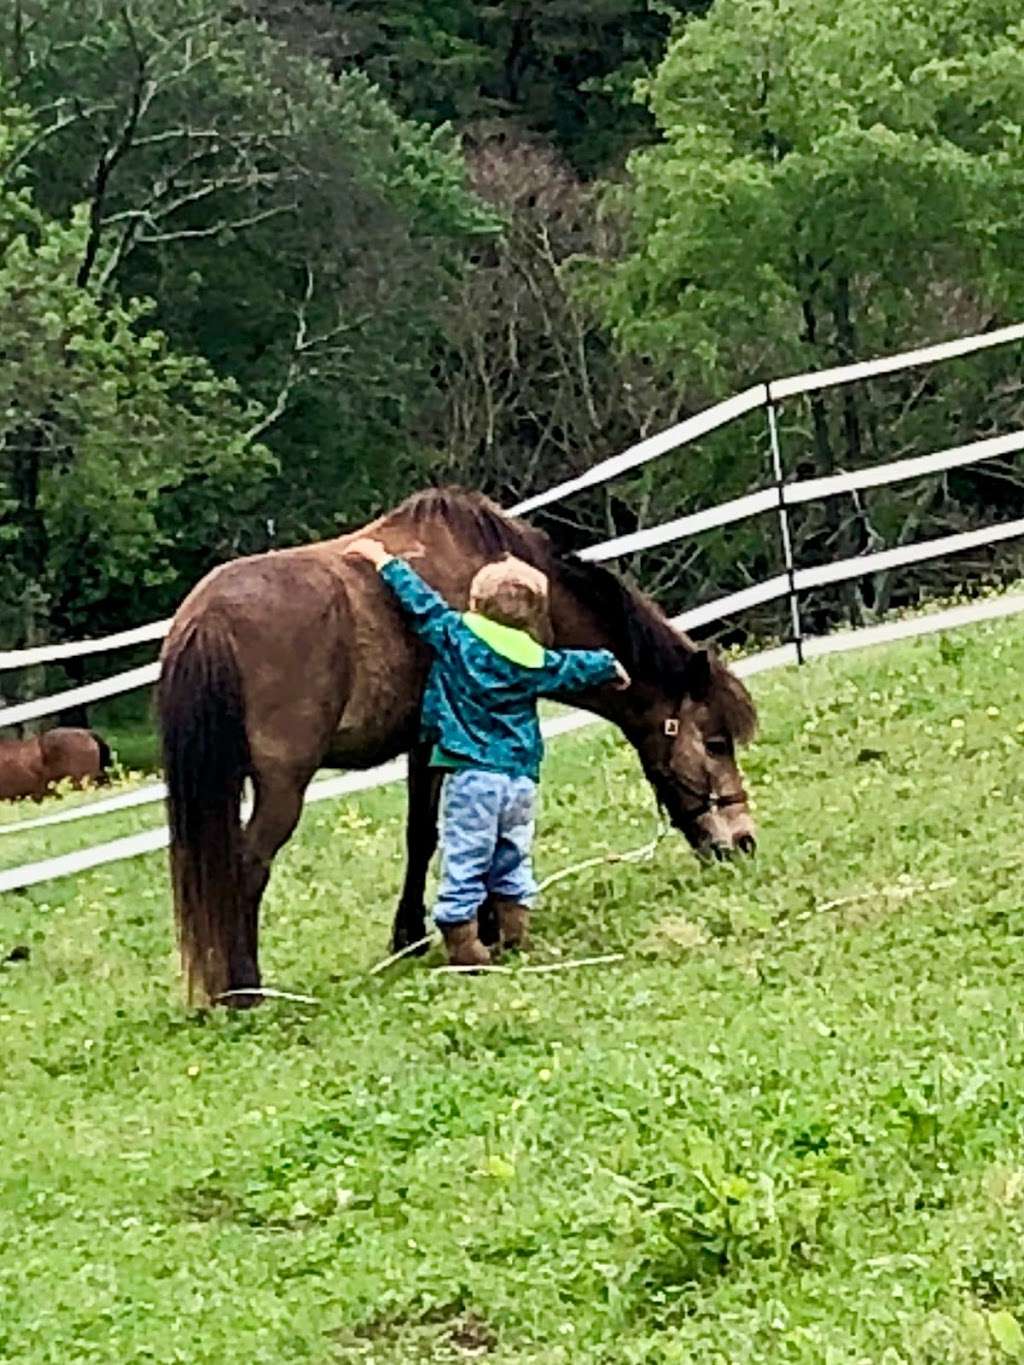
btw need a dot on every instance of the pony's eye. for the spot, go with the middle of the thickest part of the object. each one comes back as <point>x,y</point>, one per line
<point>718,746</point>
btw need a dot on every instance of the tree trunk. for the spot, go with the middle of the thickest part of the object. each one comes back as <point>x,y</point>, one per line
<point>74,715</point>
<point>846,348</point>
<point>824,457</point>
<point>821,617</point>
<point>28,556</point>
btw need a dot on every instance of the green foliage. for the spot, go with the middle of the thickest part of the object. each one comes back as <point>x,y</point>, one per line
<point>558,69</point>
<point>117,454</point>
<point>292,229</point>
<point>813,201</point>
<point>279,179</point>
<point>812,204</point>
<point>786,1129</point>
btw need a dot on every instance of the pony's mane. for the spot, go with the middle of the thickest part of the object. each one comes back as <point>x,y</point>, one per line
<point>651,648</point>
<point>475,518</point>
<point>639,635</point>
<point>648,645</point>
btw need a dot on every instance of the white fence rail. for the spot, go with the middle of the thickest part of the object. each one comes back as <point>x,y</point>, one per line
<point>106,805</point>
<point>326,789</point>
<point>918,466</point>
<point>682,434</point>
<point>844,569</point>
<point>892,364</point>
<point>737,509</point>
<point>78,696</point>
<point>73,649</point>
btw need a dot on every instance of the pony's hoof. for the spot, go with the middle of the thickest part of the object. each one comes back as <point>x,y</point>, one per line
<point>409,928</point>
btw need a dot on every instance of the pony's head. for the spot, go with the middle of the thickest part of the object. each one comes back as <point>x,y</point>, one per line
<point>687,737</point>
<point>686,713</point>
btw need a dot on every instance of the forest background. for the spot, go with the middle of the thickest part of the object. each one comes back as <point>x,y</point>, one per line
<point>267,266</point>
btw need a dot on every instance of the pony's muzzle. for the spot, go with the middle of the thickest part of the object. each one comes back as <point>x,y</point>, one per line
<point>746,845</point>
<point>727,832</point>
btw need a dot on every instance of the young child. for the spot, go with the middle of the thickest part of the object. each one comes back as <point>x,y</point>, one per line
<point>480,712</point>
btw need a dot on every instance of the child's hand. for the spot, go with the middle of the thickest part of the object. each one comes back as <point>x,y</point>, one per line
<point>369,549</point>
<point>622,678</point>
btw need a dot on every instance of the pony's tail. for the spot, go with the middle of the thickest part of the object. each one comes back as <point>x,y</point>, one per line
<point>105,758</point>
<point>206,760</point>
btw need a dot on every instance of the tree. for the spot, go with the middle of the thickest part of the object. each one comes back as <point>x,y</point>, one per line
<point>831,184</point>
<point>120,459</point>
<point>289,225</point>
<point>535,393</point>
<point>557,69</point>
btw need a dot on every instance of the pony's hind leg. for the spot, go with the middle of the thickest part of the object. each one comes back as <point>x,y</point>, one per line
<point>278,805</point>
<point>424,788</point>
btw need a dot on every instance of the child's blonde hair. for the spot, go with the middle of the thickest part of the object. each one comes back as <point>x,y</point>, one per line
<point>513,593</point>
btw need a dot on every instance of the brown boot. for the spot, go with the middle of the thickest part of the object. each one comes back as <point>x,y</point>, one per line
<point>464,946</point>
<point>513,924</point>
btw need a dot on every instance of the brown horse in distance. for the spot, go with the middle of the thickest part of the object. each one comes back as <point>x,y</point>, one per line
<point>282,663</point>
<point>31,767</point>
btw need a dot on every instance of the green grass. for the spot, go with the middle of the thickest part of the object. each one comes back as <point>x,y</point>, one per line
<point>782,1130</point>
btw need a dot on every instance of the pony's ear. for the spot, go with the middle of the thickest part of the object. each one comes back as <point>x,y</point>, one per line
<point>698,674</point>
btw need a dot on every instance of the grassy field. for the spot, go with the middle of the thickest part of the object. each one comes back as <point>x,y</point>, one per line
<point>786,1128</point>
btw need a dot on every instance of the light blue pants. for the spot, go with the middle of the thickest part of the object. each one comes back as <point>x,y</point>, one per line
<point>487,822</point>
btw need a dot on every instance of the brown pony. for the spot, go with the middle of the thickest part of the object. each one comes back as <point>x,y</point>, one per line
<point>282,663</point>
<point>30,767</point>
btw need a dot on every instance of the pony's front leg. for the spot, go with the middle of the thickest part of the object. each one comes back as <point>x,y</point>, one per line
<point>424,788</point>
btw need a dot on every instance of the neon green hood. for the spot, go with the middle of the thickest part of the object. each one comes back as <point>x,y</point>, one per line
<point>514,645</point>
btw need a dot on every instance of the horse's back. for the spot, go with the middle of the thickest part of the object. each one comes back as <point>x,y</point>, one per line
<point>69,752</point>
<point>250,588</point>
<point>301,630</point>
<point>21,769</point>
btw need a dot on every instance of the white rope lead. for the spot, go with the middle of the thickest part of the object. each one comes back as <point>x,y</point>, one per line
<point>539,967</point>
<point>632,856</point>
<point>402,952</point>
<point>269,993</point>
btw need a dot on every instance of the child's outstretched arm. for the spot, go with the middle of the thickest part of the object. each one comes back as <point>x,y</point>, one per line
<point>429,614</point>
<point>576,670</point>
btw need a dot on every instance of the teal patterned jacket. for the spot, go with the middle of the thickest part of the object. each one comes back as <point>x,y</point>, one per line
<point>480,704</point>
